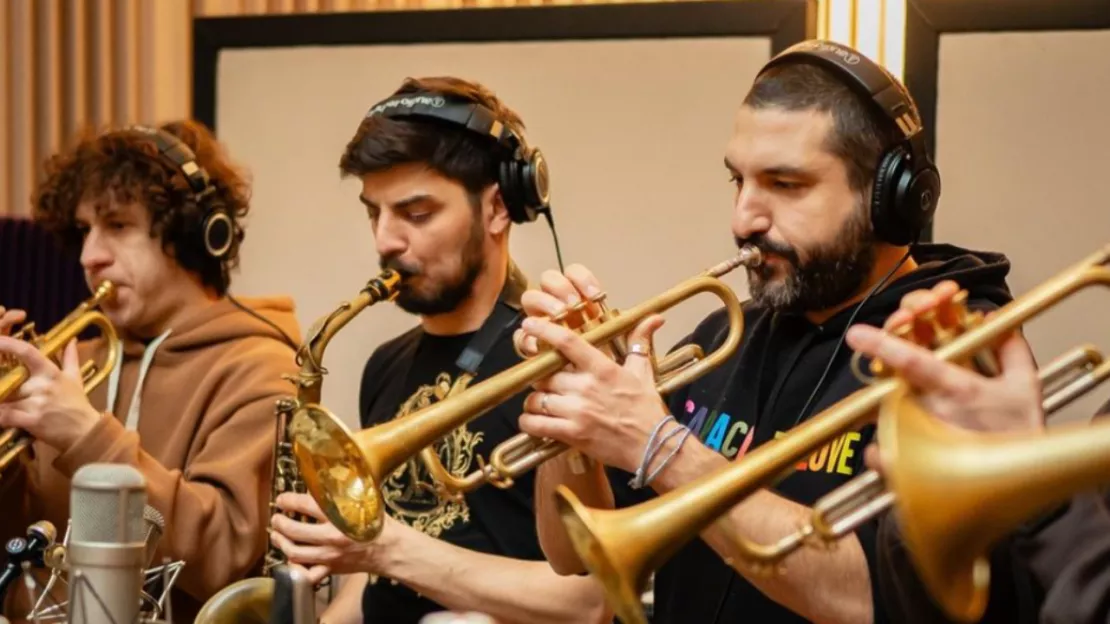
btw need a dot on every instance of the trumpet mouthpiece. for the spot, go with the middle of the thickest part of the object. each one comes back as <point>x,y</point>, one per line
<point>749,256</point>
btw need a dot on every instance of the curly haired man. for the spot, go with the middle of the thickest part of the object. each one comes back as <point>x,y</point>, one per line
<point>157,212</point>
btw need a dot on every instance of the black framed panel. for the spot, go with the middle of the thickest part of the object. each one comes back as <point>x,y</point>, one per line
<point>783,21</point>
<point>1010,94</point>
<point>632,105</point>
<point>928,20</point>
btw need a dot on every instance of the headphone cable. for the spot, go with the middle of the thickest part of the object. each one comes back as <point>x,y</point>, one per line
<point>555,238</point>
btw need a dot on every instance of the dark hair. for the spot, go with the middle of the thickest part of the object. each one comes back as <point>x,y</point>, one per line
<point>860,133</point>
<point>125,166</point>
<point>449,150</point>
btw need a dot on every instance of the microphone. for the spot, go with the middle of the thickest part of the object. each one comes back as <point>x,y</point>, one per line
<point>40,536</point>
<point>107,547</point>
<point>294,598</point>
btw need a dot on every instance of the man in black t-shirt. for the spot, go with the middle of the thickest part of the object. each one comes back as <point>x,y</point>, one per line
<point>444,174</point>
<point>833,188</point>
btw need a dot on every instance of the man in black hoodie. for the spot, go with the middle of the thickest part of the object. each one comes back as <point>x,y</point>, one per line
<point>833,187</point>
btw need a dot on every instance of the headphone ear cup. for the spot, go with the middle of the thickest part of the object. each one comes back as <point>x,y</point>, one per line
<point>510,191</point>
<point>886,210</point>
<point>219,233</point>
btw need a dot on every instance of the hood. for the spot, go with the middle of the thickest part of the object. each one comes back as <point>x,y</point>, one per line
<point>227,319</point>
<point>981,273</point>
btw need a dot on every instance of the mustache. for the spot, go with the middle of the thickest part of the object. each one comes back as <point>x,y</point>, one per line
<point>766,246</point>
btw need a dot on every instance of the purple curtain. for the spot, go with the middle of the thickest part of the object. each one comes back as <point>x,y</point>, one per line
<point>37,275</point>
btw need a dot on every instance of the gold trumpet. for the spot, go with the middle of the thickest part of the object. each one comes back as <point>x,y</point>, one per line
<point>621,547</point>
<point>343,471</point>
<point>13,442</point>
<point>838,513</point>
<point>524,452</point>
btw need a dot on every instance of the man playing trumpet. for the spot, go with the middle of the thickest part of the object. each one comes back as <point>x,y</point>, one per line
<point>191,402</point>
<point>834,188</point>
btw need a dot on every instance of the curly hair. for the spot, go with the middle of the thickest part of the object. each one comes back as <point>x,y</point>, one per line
<point>124,166</point>
<point>453,152</point>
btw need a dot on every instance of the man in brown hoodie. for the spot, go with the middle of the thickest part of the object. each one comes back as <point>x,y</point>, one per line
<point>1066,550</point>
<point>191,405</point>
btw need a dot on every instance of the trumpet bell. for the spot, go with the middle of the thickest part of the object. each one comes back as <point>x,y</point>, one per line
<point>337,473</point>
<point>603,560</point>
<point>959,492</point>
<point>925,466</point>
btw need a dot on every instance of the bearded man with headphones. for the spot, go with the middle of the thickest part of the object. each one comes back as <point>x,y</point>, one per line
<point>833,184</point>
<point>157,211</point>
<point>445,174</point>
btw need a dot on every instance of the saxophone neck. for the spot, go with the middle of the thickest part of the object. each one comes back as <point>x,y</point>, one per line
<point>310,356</point>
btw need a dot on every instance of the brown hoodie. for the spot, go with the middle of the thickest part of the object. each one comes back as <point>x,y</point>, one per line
<point>194,411</point>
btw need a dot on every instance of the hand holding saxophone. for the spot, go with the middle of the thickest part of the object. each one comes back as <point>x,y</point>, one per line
<point>604,409</point>
<point>324,549</point>
<point>51,404</point>
<point>952,393</point>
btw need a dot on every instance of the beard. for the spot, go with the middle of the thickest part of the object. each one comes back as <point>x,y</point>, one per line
<point>432,298</point>
<point>832,274</point>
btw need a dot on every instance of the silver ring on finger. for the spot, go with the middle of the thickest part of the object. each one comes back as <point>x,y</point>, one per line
<point>543,404</point>
<point>638,348</point>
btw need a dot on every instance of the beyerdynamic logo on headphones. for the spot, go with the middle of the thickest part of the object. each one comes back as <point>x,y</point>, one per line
<point>847,56</point>
<point>408,102</point>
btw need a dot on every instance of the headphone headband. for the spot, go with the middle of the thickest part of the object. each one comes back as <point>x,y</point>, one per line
<point>471,115</point>
<point>523,176</point>
<point>907,184</point>
<point>866,77</point>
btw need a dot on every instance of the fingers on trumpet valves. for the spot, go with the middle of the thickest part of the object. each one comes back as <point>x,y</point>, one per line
<point>931,327</point>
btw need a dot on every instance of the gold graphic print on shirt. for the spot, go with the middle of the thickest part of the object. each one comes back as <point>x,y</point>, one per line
<point>410,491</point>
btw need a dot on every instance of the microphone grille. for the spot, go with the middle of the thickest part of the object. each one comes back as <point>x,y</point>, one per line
<point>154,517</point>
<point>106,504</point>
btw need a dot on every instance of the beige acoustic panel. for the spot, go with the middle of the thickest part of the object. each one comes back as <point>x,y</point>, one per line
<point>635,131</point>
<point>1023,143</point>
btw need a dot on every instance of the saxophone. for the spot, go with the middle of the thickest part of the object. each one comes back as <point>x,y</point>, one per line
<point>250,599</point>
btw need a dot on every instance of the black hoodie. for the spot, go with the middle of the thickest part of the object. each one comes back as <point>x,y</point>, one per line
<point>760,393</point>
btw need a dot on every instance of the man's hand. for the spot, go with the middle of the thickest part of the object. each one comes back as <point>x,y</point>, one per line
<point>324,549</point>
<point>51,404</point>
<point>595,405</point>
<point>9,319</point>
<point>954,394</point>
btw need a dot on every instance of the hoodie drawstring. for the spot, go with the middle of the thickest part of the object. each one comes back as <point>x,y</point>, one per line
<point>132,422</point>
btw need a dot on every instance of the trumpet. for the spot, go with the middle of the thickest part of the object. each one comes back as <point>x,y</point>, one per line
<point>621,547</point>
<point>524,452</point>
<point>13,442</point>
<point>838,513</point>
<point>343,471</point>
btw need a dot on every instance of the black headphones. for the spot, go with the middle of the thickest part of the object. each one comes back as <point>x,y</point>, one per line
<point>218,229</point>
<point>907,183</point>
<point>523,176</point>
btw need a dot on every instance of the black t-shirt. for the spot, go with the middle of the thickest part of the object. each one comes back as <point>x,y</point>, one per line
<point>761,393</point>
<point>414,371</point>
